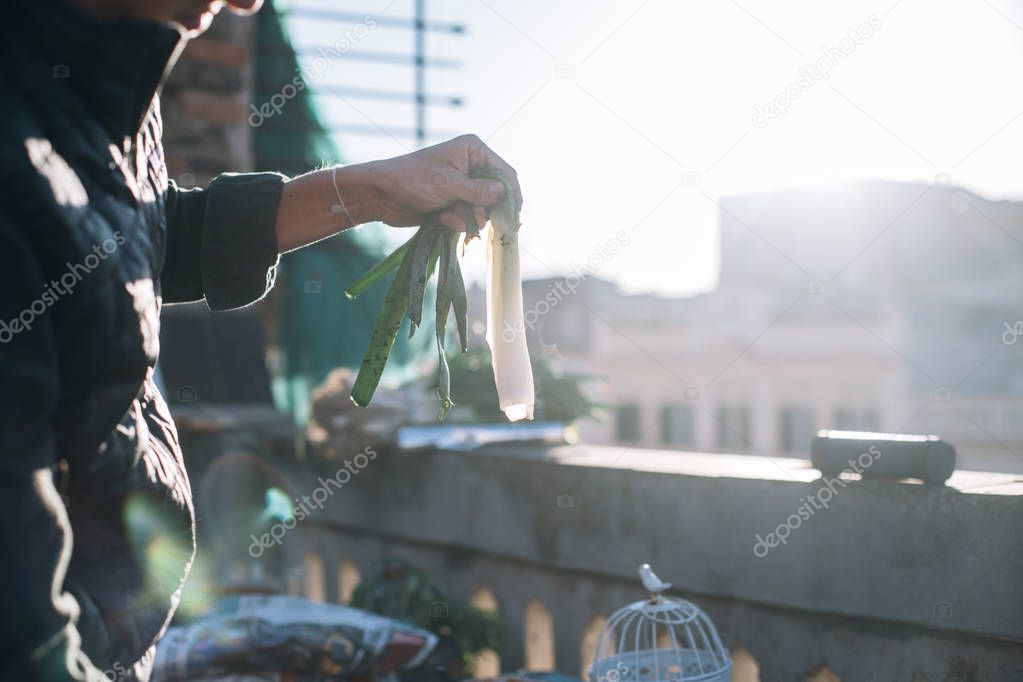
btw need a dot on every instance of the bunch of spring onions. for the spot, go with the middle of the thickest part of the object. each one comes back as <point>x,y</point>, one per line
<point>434,248</point>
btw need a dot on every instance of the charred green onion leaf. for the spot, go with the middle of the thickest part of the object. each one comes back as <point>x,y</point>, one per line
<point>378,271</point>
<point>446,293</point>
<point>384,332</point>
<point>424,262</point>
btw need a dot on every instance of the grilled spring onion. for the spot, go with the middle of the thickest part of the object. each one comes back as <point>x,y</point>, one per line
<point>415,262</point>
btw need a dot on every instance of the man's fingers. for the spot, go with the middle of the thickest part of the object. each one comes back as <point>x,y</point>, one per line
<point>452,221</point>
<point>480,155</point>
<point>481,214</point>
<point>500,164</point>
<point>480,192</point>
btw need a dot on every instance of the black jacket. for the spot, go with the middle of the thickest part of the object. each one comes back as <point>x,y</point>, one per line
<point>96,524</point>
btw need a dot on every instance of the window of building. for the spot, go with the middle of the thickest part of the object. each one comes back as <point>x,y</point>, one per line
<point>733,428</point>
<point>795,429</point>
<point>627,422</point>
<point>677,425</point>
<point>857,419</point>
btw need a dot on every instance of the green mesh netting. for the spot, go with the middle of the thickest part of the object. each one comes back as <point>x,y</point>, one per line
<point>320,328</point>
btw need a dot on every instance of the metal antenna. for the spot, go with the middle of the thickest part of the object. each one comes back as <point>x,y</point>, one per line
<point>420,62</point>
<point>420,66</point>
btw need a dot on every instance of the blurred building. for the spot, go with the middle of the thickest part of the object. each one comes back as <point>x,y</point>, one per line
<point>872,305</point>
<point>205,102</point>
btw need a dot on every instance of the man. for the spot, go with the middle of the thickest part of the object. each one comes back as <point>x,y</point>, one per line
<point>97,522</point>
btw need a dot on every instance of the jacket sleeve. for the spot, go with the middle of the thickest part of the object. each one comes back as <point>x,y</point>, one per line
<point>221,240</point>
<point>38,637</point>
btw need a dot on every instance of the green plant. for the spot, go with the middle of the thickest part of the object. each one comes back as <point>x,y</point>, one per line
<point>399,590</point>
<point>559,395</point>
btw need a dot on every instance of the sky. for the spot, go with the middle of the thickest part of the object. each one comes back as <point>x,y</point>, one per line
<point>636,116</point>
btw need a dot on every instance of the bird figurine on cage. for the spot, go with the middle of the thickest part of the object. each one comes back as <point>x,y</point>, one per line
<point>660,639</point>
<point>651,582</point>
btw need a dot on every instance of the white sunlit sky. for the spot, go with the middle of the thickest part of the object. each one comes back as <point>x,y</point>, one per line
<point>636,115</point>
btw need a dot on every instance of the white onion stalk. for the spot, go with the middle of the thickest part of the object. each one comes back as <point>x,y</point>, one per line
<point>506,332</point>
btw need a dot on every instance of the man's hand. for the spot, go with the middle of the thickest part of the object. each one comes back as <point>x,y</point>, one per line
<point>401,191</point>
<point>410,186</point>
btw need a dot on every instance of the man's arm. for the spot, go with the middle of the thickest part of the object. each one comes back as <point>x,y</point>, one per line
<point>398,191</point>
<point>223,241</point>
<point>38,638</point>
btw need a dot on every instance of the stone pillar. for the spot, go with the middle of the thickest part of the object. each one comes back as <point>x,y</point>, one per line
<point>512,610</point>
<point>705,424</point>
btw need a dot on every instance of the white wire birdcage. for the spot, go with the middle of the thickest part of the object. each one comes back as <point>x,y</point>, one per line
<point>660,639</point>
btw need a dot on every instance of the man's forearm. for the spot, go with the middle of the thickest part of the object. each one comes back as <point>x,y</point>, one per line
<point>310,211</point>
<point>399,191</point>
